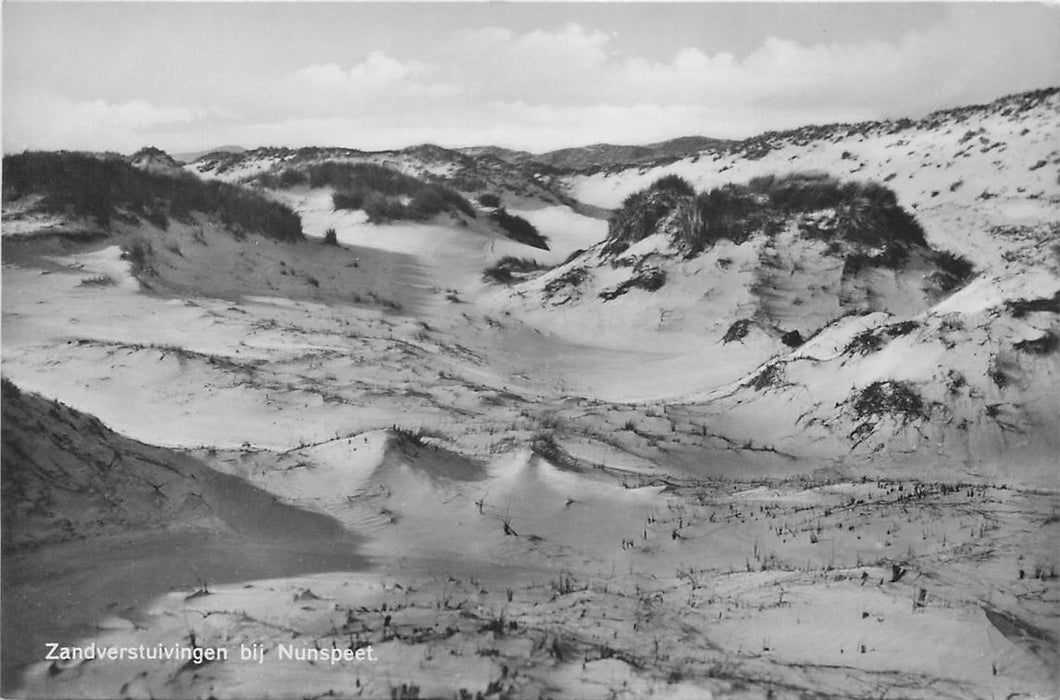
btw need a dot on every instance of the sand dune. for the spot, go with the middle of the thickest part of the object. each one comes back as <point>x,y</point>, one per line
<point>620,475</point>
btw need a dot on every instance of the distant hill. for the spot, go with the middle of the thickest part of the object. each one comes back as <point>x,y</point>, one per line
<point>195,155</point>
<point>508,155</point>
<point>603,154</point>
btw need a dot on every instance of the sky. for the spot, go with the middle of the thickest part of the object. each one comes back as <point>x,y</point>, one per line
<point>188,76</point>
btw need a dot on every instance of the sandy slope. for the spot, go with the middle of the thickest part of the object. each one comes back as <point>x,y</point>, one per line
<point>717,592</point>
<point>96,525</point>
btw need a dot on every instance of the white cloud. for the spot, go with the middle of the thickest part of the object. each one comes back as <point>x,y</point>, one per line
<point>966,58</point>
<point>569,85</point>
<point>49,121</point>
<point>379,74</point>
<point>571,45</point>
<point>377,71</point>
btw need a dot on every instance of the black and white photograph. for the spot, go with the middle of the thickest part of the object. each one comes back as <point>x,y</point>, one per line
<point>529,350</point>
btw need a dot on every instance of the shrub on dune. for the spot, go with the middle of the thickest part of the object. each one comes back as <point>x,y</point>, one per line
<point>519,229</point>
<point>489,200</point>
<point>347,200</point>
<point>380,191</point>
<point>858,217</point>
<point>673,183</point>
<point>106,187</point>
<point>509,268</point>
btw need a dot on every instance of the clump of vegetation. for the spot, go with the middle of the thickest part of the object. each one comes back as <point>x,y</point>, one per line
<point>331,237</point>
<point>404,437</point>
<point>489,200</point>
<point>864,343</point>
<point>351,177</point>
<point>955,381</point>
<point>870,340</point>
<point>1045,345</point>
<point>649,280</point>
<point>519,229</point>
<point>571,278</point>
<point>1021,307</point>
<point>108,187</point>
<point>98,281</point>
<point>737,331</point>
<point>141,254</point>
<point>673,183</point>
<point>347,200</point>
<point>891,398</point>
<point>864,217</point>
<point>509,268</point>
<point>8,390</point>
<point>792,339</point>
<point>380,208</point>
<point>890,257</point>
<point>901,328</point>
<point>385,194</point>
<point>996,371</point>
<point>545,446</point>
<point>770,376</point>
<point>572,256</point>
<point>285,180</point>
<point>639,217</point>
<point>953,269</point>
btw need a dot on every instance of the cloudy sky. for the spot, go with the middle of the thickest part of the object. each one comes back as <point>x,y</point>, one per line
<point>189,76</point>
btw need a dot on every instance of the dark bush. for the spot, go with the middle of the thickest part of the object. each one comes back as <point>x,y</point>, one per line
<point>901,328</point>
<point>871,340</point>
<point>953,268</point>
<point>546,447</point>
<point>1045,345</point>
<point>737,331</point>
<point>571,278</point>
<point>572,256</point>
<point>504,271</point>
<point>157,217</point>
<point>866,215</point>
<point>331,237</point>
<point>347,200</point>
<point>770,376</point>
<point>368,176</point>
<point>519,229</point>
<point>864,343</point>
<point>489,200</point>
<point>456,200</point>
<point>896,399</point>
<point>291,177</point>
<point>673,183</point>
<point>649,280</point>
<point>729,212</point>
<point>141,255</point>
<point>639,217</point>
<point>378,191</point>
<point>1022,307</point>
<point>8,390</point>
<point>425,204</point>
<point>381,208</point>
